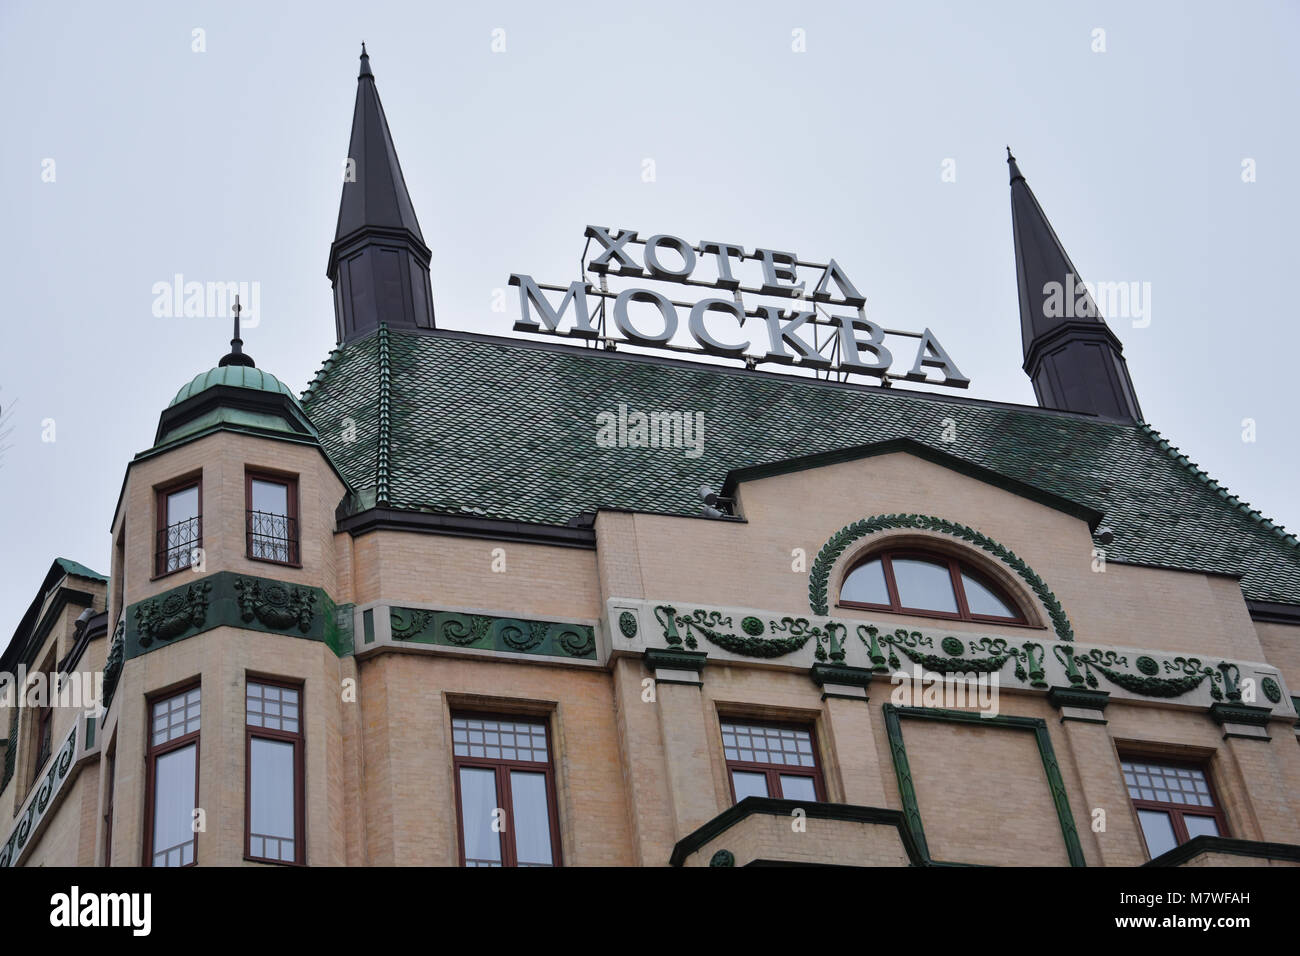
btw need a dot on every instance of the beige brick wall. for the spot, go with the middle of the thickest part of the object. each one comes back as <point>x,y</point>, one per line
<point>687,559</point>
<point>409,790</point>
<point>222,658</point>
<point>223,458</point>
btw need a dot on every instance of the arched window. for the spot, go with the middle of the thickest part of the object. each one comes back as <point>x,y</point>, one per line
<point>927,584</point>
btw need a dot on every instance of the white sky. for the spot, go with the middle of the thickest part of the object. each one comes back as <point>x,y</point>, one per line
<point>225,165</point>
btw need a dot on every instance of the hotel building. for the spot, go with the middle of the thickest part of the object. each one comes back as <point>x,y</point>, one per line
<point>418,614</point>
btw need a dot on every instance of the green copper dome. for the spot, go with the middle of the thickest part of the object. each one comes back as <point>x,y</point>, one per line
<point>235,396</point>
<point>236,376</point>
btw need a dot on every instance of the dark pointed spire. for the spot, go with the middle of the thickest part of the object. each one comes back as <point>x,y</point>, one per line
<point>236,354</point>
<point>1073,358</point>
<point>379,264</point>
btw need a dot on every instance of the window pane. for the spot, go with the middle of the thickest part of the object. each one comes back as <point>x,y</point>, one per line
<point>924,585</point>
<point>866,584</point>
<point>270,794</point>
<point>748,784</point>
<point>532,818</point>
<point>271,497</point>
<point>478,798</point>
<point>1159,831</point>
<point>499,739</point>
<point>173,807</point>
<point>798,788</point>
<point>175,717</point>
<point>183,505</point>
<point>758,744</point>
<point>1200,826</point>
<point>981,600</point>
<point>1184,785</point>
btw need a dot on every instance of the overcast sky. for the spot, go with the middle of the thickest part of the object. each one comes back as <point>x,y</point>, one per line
<point>224,165</point>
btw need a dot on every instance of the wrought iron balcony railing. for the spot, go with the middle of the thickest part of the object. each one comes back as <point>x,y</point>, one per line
<point>177,545</point>
<point>272,537</point>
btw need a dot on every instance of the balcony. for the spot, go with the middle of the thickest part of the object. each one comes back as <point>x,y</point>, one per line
<point>272,537</point>
<point>762,831</point>
<point>177,545</point>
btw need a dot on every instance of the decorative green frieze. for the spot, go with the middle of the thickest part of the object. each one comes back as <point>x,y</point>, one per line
<point>1028,657</point>
<point>723,858</point>
<point>485,632</point>
<point>1190,673</point>
<point>38,803</point>
<point>819,576</point>
<point>172,613</point>
<point>1051,769</point>
<point>278,606</point>
<point>227,599</point>
<point>113,664</point>
<point>789,634</point>
<point>1028,660</point>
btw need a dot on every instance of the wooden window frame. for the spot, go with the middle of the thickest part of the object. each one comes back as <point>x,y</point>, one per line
<point>299,741</point>
<point>153,752</point>
<point>772,770</point>
<point>505,796</point>
<point>956,567</point>
<point>161,493</point>
<point>290,481</point>
<point>42,739</point>
<point>1176,811</point>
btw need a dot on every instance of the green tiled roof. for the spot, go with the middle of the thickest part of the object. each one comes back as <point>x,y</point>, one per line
<point>238,376</point>
<point>476,426</point>
<point>80,570</point>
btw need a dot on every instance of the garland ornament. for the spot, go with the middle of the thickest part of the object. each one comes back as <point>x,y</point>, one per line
<point>163,618</point>
<point>788,634</point>
<point>275,605</point>
<point>1028,657</point>
<point>819,576</point>
<point>1082,668</point>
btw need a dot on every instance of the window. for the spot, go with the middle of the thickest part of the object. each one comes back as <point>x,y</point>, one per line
<point>173,782</point>
<point>1173,802</point>
<point>44,739</point>
<point>180,526</point>
<point>933,585</point>
<point>504,776</point>
<point>771,760</point>
<point>110,771</point>
<point>273,792</point>
<point>272,517</point>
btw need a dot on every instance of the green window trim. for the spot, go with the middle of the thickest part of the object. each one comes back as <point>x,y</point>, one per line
<point>907,789</point>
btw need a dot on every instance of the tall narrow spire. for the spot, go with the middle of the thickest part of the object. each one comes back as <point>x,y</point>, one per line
<point>378,264</point>
<point>236,354</point>
<point>1073,358</point>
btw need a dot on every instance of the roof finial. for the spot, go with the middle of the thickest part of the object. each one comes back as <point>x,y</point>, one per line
<point>1015,170</point>
<point>365,62</point>
<point>236,355</point>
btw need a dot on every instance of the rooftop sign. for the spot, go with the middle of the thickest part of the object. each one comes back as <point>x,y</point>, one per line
<point>806,332</point>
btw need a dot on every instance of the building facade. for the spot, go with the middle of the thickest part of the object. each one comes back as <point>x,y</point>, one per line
<point>420,615</point>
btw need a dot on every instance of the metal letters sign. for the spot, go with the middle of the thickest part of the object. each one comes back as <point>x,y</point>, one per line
<point>806,333</point>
